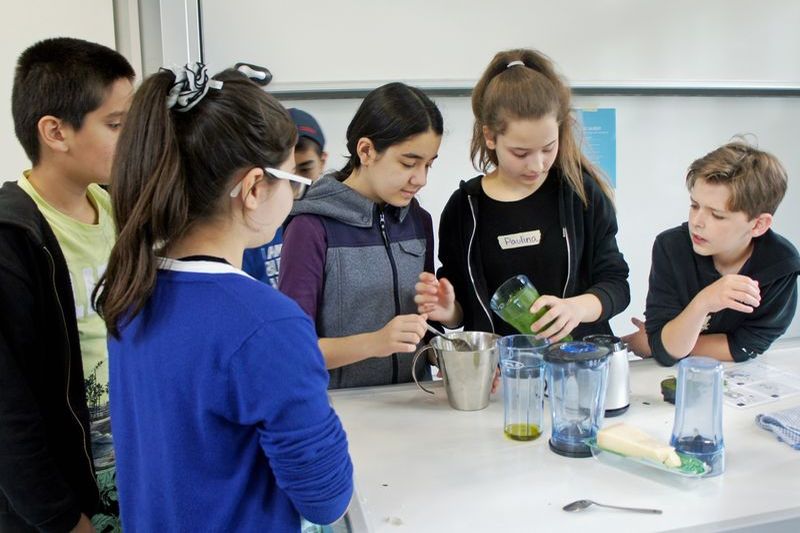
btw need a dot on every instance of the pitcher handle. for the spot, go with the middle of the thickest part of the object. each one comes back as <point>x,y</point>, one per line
<point>414,367</point>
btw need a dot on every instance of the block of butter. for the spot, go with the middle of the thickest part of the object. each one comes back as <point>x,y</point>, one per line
<point>633,442</point>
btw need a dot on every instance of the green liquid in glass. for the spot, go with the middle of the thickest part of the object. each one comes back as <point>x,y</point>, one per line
<point>516,311</point>
<point>522,431</point>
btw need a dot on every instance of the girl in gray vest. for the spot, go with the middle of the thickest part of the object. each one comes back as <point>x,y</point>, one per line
<point>359,239</point>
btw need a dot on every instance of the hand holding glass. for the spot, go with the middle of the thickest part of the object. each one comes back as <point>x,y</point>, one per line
<point>512,302</point>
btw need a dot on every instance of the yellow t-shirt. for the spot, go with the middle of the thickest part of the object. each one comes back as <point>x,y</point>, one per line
<point>86,248</point>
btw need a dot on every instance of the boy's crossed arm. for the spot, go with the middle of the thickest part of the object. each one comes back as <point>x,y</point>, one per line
<point>681,335</point>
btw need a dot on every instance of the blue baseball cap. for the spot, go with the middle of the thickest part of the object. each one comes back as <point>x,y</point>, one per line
<point>307,126</point>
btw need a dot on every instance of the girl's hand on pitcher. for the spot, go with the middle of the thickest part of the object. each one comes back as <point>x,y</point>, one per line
<point>401,334</point>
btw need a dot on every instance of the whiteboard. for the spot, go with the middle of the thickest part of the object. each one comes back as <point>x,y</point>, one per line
<point>657,139</point>
<point>356,44</point>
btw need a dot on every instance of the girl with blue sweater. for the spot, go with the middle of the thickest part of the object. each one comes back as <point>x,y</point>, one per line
<point>218,388</point>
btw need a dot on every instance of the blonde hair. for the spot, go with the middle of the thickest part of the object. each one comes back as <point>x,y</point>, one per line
<point>531,91</point>
<point>756,179</point>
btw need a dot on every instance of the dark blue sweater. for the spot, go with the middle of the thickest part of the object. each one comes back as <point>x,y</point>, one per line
<point>220,412</point>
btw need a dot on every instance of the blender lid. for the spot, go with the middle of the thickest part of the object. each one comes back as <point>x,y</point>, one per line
<point>612,342</point>
<point>700,362</point>
<point>570,352</point>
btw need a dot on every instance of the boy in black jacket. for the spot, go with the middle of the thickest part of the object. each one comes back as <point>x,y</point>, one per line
<point>68,102</point>
<point>723,284</point>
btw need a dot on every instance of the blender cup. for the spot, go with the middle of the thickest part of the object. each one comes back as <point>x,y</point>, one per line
<point>576,378</point>
<point>698,412</point>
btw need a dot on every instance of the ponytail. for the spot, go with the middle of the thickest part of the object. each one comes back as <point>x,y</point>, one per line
<point>149,198</point>
<point>348,168</point>
<point>523,84</point>
<point>159,151</point>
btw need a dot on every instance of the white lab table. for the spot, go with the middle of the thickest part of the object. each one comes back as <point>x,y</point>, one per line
<point>423,466</point>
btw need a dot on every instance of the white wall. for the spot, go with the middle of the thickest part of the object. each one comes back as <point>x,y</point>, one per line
<point>346,43</point>
<point>24,23</point>
<point>657,139</point>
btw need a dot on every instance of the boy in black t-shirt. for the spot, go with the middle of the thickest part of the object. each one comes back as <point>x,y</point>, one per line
<point>722,284</point>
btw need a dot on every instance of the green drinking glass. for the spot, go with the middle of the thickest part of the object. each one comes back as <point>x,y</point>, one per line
<point>512,302</point>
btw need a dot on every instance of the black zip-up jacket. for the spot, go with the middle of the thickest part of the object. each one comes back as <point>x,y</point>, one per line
<point>595,264</point>
<point>46,472</point>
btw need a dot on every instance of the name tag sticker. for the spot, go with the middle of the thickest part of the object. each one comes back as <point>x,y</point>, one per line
<point>520,240</point>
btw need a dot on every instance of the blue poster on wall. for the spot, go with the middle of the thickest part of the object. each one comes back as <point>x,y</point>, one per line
<point>600,139</point>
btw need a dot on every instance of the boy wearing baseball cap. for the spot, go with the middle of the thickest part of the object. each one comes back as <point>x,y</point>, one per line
<point>263,263</point>
<point>309,152</point>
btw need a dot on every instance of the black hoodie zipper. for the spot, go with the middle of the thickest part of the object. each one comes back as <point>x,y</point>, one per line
<point>382,220</point>
<point>469,259</point>
<point>84,431</point>
<point>564,231</point>
<point>562,207</point>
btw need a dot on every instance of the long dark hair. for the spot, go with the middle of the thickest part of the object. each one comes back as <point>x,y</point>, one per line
<point>173,169</point>
<point>389,115</point>
<point>531,91</point>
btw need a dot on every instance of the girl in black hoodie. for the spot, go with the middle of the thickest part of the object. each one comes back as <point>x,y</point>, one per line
<point>540,209</point>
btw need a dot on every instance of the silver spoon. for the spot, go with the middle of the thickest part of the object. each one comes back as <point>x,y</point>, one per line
<point>580,505</point>
<point>458,345</point>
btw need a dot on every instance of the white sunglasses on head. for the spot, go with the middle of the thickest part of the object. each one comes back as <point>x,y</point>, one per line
<point>299,183</point>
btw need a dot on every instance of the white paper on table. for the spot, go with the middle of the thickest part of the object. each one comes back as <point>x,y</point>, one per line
<point>755,383</point>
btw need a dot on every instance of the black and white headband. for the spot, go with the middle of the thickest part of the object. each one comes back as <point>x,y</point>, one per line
<point>190,86</point>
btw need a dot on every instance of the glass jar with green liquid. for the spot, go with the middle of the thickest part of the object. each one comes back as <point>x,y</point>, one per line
<point>512,302</point>
<point>522,368</point>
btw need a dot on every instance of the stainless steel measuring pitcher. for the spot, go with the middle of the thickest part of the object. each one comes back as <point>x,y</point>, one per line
<point>467,374</point>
